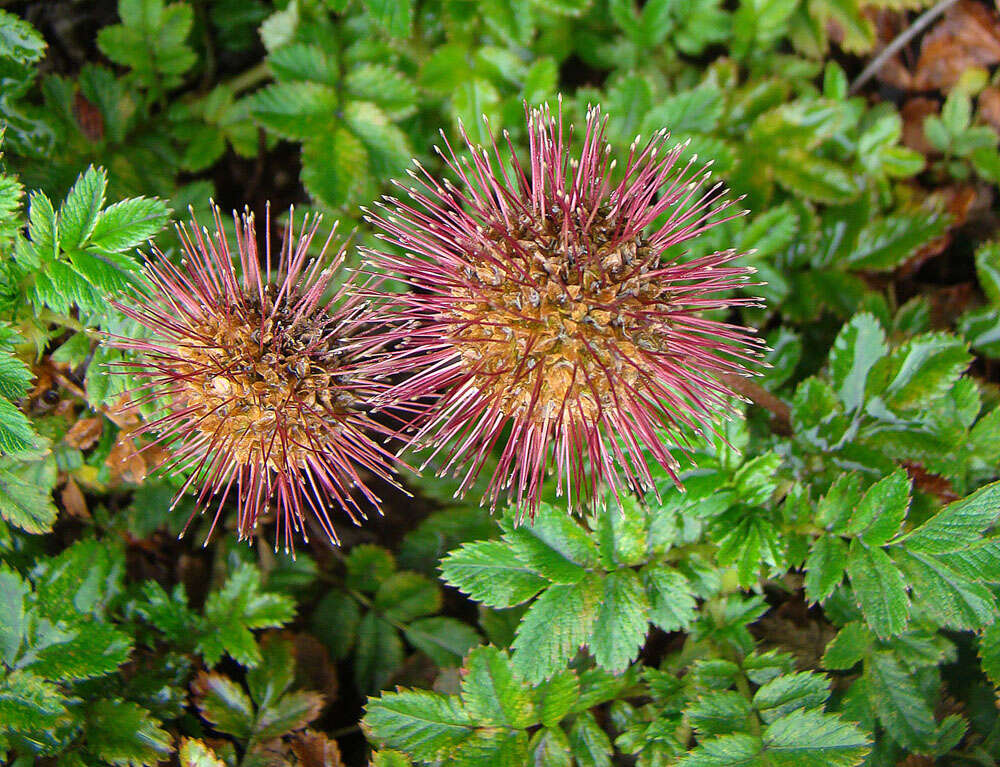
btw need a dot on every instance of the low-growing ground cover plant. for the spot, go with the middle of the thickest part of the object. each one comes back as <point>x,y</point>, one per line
<point>552,321</point>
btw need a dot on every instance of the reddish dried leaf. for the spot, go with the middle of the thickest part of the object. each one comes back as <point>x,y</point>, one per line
<point>84,433</point>
<point>931,483</point>
<point>314,749</point>
<point>989,106</point>
<point>73,501</point>
<point>126,462</point>
<point>89,118</point>
<point>968,36</point>
<point>914,112</point>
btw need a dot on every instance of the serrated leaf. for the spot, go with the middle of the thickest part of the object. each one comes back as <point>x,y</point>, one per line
<point>123,733</point>
<point>12,593</point>
<point>882,509</point>
<point>445,640</point>
<point>958,524</point>
<point>295,109</point>
<point>503,748</point>
<point>949,598</point>
<point>813,177</point>
<point>554,628</point>
<point>28,702</point>
<point>334,168</point>
<point>385,86</point>
<point>378,655</point>
<point>290,712</point>
<point>898,702</point>
<point>672,603</point>
<point>394,16</point>
<point>554,545</point>
<point>814,739</point>
<point>558,696</point>
<point>79,212</point>
<point>15,377</point>
<point>490,572</point>
<point>880,589</point>
<point>224,704</point>
<point>719,713</point>
<point>989,652</point>
<point>25,493</point>
<point>194,753</point>
<point>988,270</point>
<point>859,345</point>
<point>367,566</point>
<point>404,596</point>
<point>885,243</point>
<point>335,622</point>
<point>848,648</point>
<point>785,694</point>
<point>18,436</point>
<point>590,744</point>
<point>425,725</point>
<point>622,619</point>
<point>825,567</point>
<point>492,694</point>
<point>921,371</point>
<point>127,224</point>
<point>19,40</point>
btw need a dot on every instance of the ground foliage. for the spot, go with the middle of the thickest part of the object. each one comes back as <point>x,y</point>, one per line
<point>824,592</point>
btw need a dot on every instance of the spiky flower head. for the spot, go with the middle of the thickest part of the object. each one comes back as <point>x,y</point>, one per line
<point>263,394</point>
<point>544,317</point>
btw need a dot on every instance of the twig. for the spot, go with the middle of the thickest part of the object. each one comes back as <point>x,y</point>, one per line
<point>901,40</point>
<point>781,413</point>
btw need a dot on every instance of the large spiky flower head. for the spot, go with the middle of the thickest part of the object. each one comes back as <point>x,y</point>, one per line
<point>544,319</point>
<point>262,392</point>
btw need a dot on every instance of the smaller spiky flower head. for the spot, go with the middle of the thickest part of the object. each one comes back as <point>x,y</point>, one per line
<point>262,387</point>
<point>544,317</point>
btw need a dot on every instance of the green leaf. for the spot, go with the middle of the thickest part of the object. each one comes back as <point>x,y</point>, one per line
<point>814,739</point>
<point>785,694</point>
<point>554,628</point>
<point>988,270</point>
<point>880,589</point>
<point>848,648</point>
<point>550,748</point>
<point>28,702</point>
<point>885,243</point>
<point>129,223</point>
<point>290,712</point>
<point>83,578</point>
<point>425,725</point>
<point>224,704</point>
<point>335,621</point>
<point>394,16</point>
<point>881,512</point>
<point>490,572</point>
<point>859,345</point>
<point>122,733</point>
<point>494,747</point>
<point>590,744</point>
<point>19,40</point>
<point>25,493</point>
<point>295,110</point>
<point>989,652</point>
<point>79,212</point>
<point>367,566</point>
<point>825,567</point>
<point>719,713</point>
<point>958,524</point>
<point>12,593</point>
<point>334,168</point>
<point>898,702</point>
<point>404,596</point>
<point>18,436</point>
<point>232,611</point>
<point>814,177</point>
<point>920,371</point>
<point>385,86</point>
<point>492,694</point>
<point>388,148</point>
<point>672,603</point>
<point>304,62</point>
<point>194,753</point>
<point>379,653</point>
<point>949,598</point>
<point>558,696</point>
<point>554,545</point>
<point>445,640</point>
<point>621,624</point>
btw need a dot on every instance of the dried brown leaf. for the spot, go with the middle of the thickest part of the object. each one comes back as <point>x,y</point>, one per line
<point>84,433</point>
<point>968,36</point>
